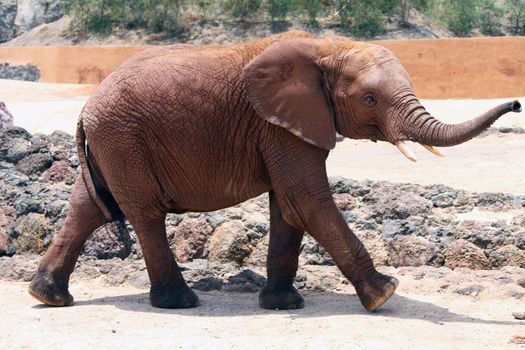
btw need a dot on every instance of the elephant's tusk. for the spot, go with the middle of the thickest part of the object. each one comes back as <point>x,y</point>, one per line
<point>407,152</point>
<point>434,150</point>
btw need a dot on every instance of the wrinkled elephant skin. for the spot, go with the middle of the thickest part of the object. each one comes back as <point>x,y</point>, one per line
<point>198,128</point>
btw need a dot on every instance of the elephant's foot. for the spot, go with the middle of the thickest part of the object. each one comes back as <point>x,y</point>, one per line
<point>283,298</point>
<point>376,290</point>
<point>45,289</point>
<point>173,296</point>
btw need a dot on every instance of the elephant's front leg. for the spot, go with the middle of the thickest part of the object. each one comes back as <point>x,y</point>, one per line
<point>282,262</point>
<point>326,224</point>
<point>299,181</point>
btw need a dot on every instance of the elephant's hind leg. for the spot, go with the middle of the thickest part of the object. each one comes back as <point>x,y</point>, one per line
<point>282,263</point>
<point>50,284</point>
<point>168,288</point>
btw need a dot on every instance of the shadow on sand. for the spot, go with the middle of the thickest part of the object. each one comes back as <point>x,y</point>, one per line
<point>230,304</point>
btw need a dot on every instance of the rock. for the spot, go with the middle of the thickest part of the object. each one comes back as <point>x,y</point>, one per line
<point>4,222</point>
<point>520,240</point>
<point>395,204</point>
<point>18,268</point>
<point>519,315</point>
<point>195,264</point>
<point>493,201</point>
<point>15,143</point>
<point>60,171</point>
<point>56,210</point>
<point>7,19</point>
<point>189,239</point>
<point>32,13</point>
<point>139,279</point>
<point>29,234</point>
<point>484,235</point>
<point>6,118</point>
<point>208,283</point>
<point>442,235</point>
<point>109,241</point>
<point>507,256</point>
<point>517,339</point>
<point>521,282</point>
<point>34,163</point>
<point>245,282</point>
<point>229,242</point>
<point>344,201</point>
<point>472,290</point>
<point>462,253</point>
<point>313,254</point>
<point>392,228</point>
<point>376,247</point>
<point>343,185</point>
<point>257,224</point>
<point>259,253</point>
<point>444,199</point>
<point>349,216</point>
<point>413,251</point>
<point>27,72</point>
<point>516,294</point>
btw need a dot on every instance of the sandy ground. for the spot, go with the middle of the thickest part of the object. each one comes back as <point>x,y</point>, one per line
<point>423,315</point>
<point>489,164</point>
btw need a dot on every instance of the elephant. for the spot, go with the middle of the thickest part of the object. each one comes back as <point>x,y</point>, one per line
<point>198,128</point>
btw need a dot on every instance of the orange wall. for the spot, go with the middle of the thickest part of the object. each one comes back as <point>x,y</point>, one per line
<point>440,68</point>
<point>464,68</point>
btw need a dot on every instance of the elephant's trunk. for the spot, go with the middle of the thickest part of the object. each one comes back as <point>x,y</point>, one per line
<point>444,135</point>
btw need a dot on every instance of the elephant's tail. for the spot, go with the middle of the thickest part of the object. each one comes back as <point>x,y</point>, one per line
<point>94,181</point>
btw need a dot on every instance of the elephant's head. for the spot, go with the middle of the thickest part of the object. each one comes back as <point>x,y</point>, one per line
<point>315,87</point>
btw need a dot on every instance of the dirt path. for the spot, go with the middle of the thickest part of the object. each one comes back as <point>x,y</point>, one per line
<point>423,315</point>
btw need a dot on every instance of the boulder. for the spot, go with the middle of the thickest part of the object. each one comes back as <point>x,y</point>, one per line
<point>60,171</point>
<point>29,234</point>
<point>484,235</point>
<point>15,144</point>
<point>394,203</point>
<point>376,247</point>
<point>520,240</point>
<point>229,243</point>
<point>4,222</point>
<point>413,251</point>
<point>246,281</point>
<point>508,255</point>
<point>32,13</point>
<point>259,253</point>
<point>462,253</point>
<point>6,118</point>
<point>34,163</point>
<point>312,253</point>
<point>25,72</point>
<point>7,20</point>
<point>109,241</point>
<point>188,239</point>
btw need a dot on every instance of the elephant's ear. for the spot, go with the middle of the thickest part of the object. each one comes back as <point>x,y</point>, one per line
<point>285,86</point>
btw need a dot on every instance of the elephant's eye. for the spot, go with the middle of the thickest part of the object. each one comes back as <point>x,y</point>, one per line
<point>369,100</point>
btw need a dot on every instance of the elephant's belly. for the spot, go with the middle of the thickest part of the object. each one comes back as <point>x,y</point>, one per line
<point>197,201</point>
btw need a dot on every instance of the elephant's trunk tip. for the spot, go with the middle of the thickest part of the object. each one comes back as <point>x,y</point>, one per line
<point>515,106</point>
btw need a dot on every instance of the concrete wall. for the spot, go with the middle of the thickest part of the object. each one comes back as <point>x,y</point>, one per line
<point>440,68</point>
